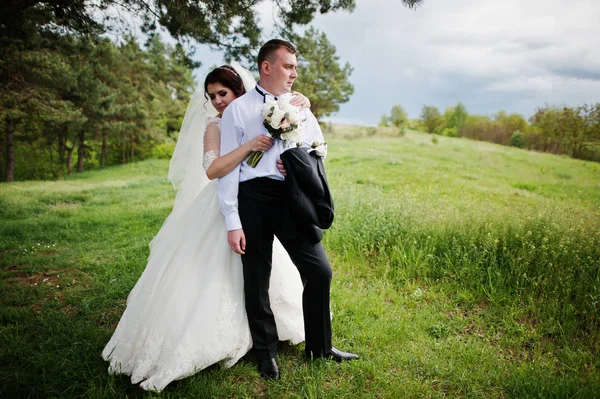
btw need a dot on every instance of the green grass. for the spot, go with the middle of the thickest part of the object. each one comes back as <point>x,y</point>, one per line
<point>461,269</point>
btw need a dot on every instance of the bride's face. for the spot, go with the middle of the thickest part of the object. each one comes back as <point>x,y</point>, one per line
<point>220,96</point>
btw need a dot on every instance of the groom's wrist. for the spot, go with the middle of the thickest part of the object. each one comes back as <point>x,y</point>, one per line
<point>232,221</point>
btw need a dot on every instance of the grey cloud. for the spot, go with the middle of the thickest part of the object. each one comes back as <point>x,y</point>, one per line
<point>577,73</point>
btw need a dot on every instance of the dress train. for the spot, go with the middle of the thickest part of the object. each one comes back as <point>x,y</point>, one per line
<point>186,312</point>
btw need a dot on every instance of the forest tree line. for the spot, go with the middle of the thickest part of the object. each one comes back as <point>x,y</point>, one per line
<point>72,100</point>
<point>82,104</point>
<point>572,131</point>
<point>73,103</point>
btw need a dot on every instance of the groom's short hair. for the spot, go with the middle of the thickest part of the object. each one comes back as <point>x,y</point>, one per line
<point>267,51</point>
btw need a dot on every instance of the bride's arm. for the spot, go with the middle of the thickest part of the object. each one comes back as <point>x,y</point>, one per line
<point>225,164</point>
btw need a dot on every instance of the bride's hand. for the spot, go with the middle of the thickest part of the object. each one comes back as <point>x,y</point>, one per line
<point>300,100</point>
<point>260,143</point>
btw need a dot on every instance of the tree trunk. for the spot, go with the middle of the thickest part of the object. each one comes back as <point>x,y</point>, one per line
<point>81,151</point>
<point>132,145</point>
<point>577,151</point>
<point>51,150</point>
<point>70,155</point>
<point>10,150</point>
<point>104,152</point>
<point>69,158</point>
<point>123,152</point>
<point>62,147</point>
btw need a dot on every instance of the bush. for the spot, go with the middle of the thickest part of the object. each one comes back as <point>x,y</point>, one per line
<point>450,132</point>
<point>518,139</point>
<point>415,124</point>
<point>163,150</point>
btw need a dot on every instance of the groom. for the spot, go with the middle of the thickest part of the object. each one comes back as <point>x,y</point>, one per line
<point>252,201</point>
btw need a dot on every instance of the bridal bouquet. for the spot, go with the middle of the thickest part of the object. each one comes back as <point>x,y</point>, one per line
<point>282,121</point>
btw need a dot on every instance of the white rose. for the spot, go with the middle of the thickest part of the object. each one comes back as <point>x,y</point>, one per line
<point>287,107</point>
<point>298,133</point>
<point>266,109</point>
<point>294,117</point>
<point>292,136</point>
<point>276,118</point>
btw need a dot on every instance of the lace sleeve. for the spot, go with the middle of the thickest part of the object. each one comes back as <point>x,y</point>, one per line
<point>212,143</point>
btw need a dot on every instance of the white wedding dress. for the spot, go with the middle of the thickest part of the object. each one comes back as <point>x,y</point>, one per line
<point>186,312</point>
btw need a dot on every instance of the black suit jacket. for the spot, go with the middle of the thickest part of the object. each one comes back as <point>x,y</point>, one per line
<point>308,203</point>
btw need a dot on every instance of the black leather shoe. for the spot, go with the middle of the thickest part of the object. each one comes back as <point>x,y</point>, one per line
<point>268,369</point>
<point>339,356</point>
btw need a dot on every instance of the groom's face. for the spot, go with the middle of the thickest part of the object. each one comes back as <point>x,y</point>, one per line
<point>283,71</point>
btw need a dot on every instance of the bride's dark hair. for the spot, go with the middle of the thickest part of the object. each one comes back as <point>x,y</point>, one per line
<point>228,77</point>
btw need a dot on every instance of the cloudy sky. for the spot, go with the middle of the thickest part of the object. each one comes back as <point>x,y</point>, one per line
<point>514,55</point>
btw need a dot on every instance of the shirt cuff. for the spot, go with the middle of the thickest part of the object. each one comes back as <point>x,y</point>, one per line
<point>233,222</point>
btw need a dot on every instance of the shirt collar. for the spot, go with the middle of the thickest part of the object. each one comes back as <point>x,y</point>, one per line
<point>265,94</point>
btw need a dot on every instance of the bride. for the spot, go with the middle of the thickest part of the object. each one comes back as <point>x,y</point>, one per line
<point>186,312</point>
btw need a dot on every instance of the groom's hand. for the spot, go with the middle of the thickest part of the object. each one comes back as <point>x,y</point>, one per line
<point>237,241</point>
<point>281,167</point>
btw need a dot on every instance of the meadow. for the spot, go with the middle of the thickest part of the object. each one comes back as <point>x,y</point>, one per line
<point>462,269</point>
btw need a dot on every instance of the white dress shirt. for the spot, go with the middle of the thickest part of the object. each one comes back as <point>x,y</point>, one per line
<point>241,122</point>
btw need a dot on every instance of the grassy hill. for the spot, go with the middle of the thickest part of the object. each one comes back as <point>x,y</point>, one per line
<point>461,269</point>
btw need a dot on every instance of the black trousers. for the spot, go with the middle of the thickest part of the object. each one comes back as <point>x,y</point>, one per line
<point>260,204</point>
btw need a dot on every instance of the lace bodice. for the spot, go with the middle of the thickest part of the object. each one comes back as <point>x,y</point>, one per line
<point>212,142</point>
